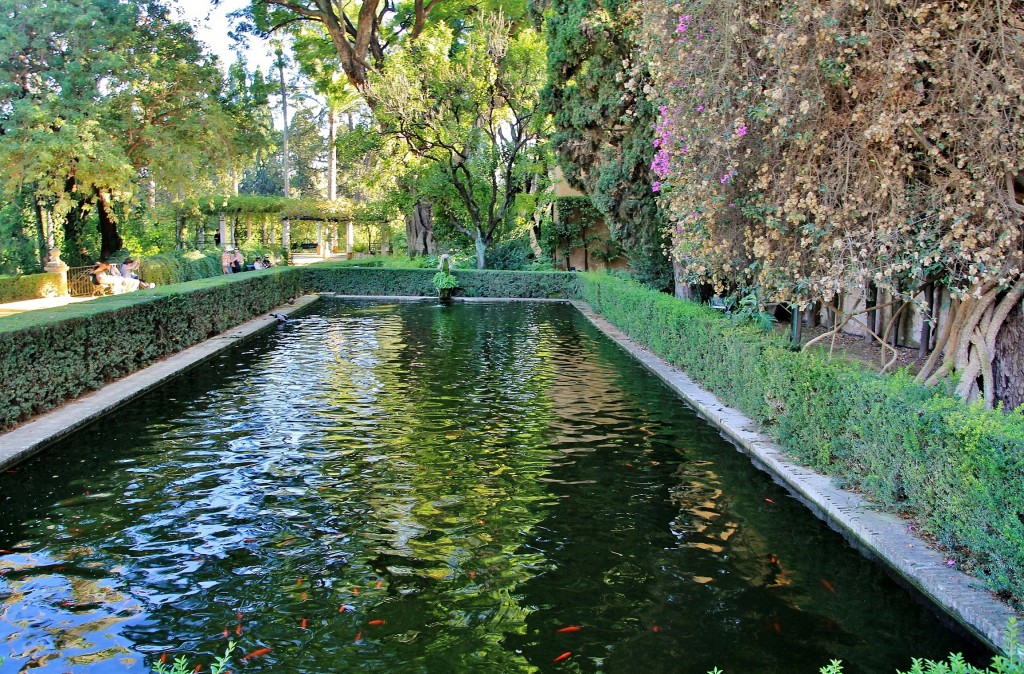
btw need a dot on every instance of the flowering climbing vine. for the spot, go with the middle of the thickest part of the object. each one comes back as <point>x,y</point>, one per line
<point>810,148</point>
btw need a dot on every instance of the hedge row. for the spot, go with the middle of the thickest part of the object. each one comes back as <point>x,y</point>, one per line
<point>956,469</point>
<point>349,279</point>
<point>191,265</point>
<point>53,355</point>
<point>31,286</point>
<point>180,267</point>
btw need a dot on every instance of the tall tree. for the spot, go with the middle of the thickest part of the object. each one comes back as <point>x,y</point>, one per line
<point>360,32</point>
<point>603,121</point>
<point>469,106</point>
<point>96,95</point>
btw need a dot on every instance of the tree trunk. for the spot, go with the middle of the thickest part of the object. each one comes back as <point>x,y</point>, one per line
<point>73,243</point>
<point>897,320</point>
<point>284,128</point>
<point>481,250</point>
<point>110,240</point>
<point>332,155</point>
<point>179,231</point>
<point>870,302</point>
<point>419,229</point>
<point>927,316</point>
<point>1008,366</point>
<point>811,314</point>
<point>683,290</point>
<point>44,250</point>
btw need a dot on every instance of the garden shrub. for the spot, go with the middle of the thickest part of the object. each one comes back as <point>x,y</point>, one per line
<point>348,279</point>
<point>32,286</point>
<point>955,468</point>
<point>56,354</point>
<point>180,266</point>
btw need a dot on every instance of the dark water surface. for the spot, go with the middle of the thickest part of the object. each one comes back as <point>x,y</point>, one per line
<point>475,477</point>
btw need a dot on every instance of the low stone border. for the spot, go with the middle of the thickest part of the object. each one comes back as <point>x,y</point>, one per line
<point>34,435</point>
<point>880,534</point>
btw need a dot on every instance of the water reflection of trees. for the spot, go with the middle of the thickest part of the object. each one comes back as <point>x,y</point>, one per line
<point>465,443</point>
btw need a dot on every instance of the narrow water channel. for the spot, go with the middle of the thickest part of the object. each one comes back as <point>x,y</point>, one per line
<point>415,488</point>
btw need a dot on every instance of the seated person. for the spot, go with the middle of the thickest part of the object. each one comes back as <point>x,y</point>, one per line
<point>267,264</point>
<point>257,265</point>
<point>105,275</point>
<point>128,268</point>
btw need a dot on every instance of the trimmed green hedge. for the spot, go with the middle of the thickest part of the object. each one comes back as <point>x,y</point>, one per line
<point>31,286</point>
<point>56,354</point>
<point>956,469</point>
<point>180,266</point>
<point>191,265</point>
<point>348,279</point>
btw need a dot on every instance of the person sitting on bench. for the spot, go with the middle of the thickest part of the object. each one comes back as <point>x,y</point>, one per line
<point>103,274</point>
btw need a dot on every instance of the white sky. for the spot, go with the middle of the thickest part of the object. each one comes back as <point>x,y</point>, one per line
<point>212,28</point>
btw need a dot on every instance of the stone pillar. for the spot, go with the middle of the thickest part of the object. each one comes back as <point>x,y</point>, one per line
<point>222,227</point>
<point>56,266</point>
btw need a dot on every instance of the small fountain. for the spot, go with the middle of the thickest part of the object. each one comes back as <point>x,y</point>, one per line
<point>444,280</point>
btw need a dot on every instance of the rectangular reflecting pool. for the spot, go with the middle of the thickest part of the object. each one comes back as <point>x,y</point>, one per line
<point>405,487</point>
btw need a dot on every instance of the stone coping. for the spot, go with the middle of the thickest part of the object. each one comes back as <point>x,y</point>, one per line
<point>880,535</point>
<point>34,435</point>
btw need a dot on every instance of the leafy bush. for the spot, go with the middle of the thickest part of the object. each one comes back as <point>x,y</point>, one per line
<point>953,467</point>
<point>31,286</point>
<point>512,254</point>
<point>180,266</point>
<point>445,281</point>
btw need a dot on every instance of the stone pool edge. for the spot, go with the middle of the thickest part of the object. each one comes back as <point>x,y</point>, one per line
<point>882,535</point>
<point>43,430</point>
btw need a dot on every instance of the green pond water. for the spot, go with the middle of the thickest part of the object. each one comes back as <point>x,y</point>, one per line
<point>413,488</point>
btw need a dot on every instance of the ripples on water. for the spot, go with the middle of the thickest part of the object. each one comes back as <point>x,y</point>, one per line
<point>412,488</point>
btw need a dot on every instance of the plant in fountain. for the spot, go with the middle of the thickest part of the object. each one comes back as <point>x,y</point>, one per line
<point>444,280</point>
